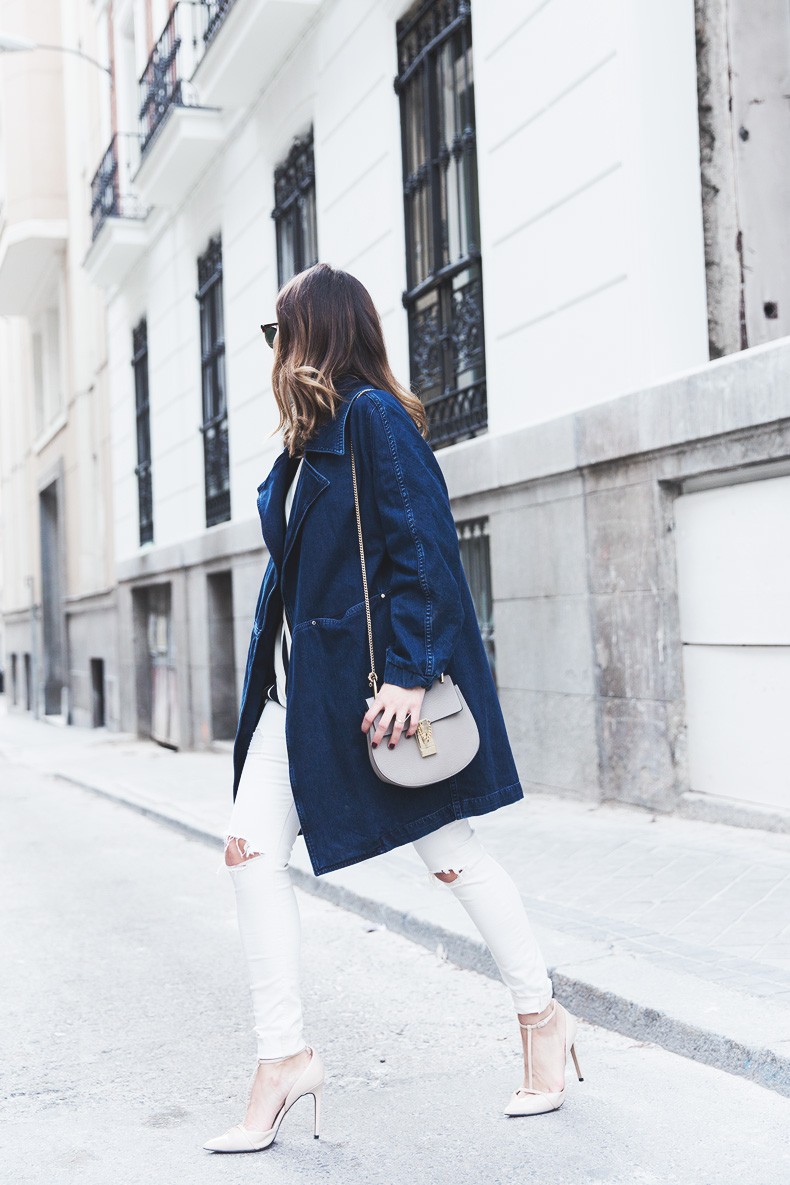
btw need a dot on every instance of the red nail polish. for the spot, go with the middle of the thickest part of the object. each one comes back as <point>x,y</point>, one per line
<point>374,744</point>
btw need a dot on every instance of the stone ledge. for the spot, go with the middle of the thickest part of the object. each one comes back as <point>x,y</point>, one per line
<point>224,542</point>
<point>725,396</point>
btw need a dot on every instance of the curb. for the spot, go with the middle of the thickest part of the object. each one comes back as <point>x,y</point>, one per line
<point>593,1004</point>
<point>709,808</point>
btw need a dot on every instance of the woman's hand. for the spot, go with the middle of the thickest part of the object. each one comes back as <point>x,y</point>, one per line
<point>397,703</point>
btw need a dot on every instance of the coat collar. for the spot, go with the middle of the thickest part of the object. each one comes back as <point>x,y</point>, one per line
<point>330,438</point>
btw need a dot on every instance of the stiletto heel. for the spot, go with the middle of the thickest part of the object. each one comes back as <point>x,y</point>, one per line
<point>241,1139</point>
<point>528,1101</point>
<point>576,1063</point>
<point>318,1094</point>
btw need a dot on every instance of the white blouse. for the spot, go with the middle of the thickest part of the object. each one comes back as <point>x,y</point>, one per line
<point>283,638</point>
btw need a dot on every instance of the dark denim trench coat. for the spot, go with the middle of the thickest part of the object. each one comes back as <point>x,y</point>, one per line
<point>423,619</point>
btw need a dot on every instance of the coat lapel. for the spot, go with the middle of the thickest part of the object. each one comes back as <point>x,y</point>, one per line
<point>311,484</point>
<point>271,507</point>
<point>330,437</point>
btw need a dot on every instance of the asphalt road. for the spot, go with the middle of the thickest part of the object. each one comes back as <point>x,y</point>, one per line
<point>127,1039</point>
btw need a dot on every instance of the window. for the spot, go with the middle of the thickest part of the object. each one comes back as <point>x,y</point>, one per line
<point>294,210</point>
<point>143,417</point>
<point>473,542</point>
<point>215,406</point>
<point>444,297</point>
<point>46,365</point>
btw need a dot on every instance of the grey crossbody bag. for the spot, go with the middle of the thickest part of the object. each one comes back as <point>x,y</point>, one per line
<point>446,739</point>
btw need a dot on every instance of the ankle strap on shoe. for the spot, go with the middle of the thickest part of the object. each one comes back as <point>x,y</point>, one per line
<point>540,1023</point>
<point>271,1061</point>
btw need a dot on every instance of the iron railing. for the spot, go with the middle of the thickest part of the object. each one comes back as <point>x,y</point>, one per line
<point>112,194</point>
<point>165,81</point>
<point>217,11</point>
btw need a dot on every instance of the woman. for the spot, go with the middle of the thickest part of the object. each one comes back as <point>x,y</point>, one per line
<point>300,757</point>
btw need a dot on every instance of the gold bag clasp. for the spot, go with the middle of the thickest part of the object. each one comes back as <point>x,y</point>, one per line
<point>424,735</point>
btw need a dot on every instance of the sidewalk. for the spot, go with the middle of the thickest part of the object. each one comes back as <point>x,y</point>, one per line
<point>668,930</point>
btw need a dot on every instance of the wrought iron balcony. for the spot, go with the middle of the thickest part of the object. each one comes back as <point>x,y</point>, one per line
<point>112,195</point>
<point>118,213</point>
<point>256,36</point>
<point>447,351</point>
<point>165,80</point>
<point>217,11</point>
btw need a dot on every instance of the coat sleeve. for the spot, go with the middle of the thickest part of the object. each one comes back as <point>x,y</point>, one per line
<point>422,543</point>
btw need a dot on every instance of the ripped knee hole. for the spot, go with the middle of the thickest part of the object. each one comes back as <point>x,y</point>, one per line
<point>448,877</point>
<point>238,851</point>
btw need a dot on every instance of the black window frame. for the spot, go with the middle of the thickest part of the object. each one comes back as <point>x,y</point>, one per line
<point>444,294</point>
<point>474,544</point>
<point>294,212</point>
<point>142,405</point>
<point>214,428</point>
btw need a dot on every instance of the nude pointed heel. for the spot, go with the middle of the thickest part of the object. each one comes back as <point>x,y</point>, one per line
<point>318,1095</point>
<point>242,1139</point>
<point>528,1101</point>
<point>576,1063</point>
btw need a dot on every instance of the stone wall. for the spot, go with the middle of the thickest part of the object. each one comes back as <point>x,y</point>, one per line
<point>583,568</point>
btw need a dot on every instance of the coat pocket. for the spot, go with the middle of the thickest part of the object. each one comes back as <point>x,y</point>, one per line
<point>343,620</point>
<point>332,653</point>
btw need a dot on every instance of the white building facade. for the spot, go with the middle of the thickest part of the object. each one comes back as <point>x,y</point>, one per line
<point>539,199</point>
<point>59,615</point>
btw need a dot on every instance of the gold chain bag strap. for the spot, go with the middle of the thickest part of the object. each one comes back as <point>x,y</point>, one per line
<point>446,739</point>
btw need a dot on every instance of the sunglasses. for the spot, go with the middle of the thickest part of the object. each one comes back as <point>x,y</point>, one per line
<point>269,331</point>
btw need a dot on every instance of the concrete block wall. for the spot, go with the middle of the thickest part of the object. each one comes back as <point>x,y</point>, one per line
<point>584,570</point>
<point>233,547</point>
<point>542,631</point>
<point>93,634</point>
<point>634,627</point>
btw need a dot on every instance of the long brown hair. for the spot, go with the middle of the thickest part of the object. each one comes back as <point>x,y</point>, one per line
<point>328,327</point>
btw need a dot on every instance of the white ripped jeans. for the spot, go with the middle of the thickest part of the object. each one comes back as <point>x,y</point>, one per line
<point>265,821</point>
